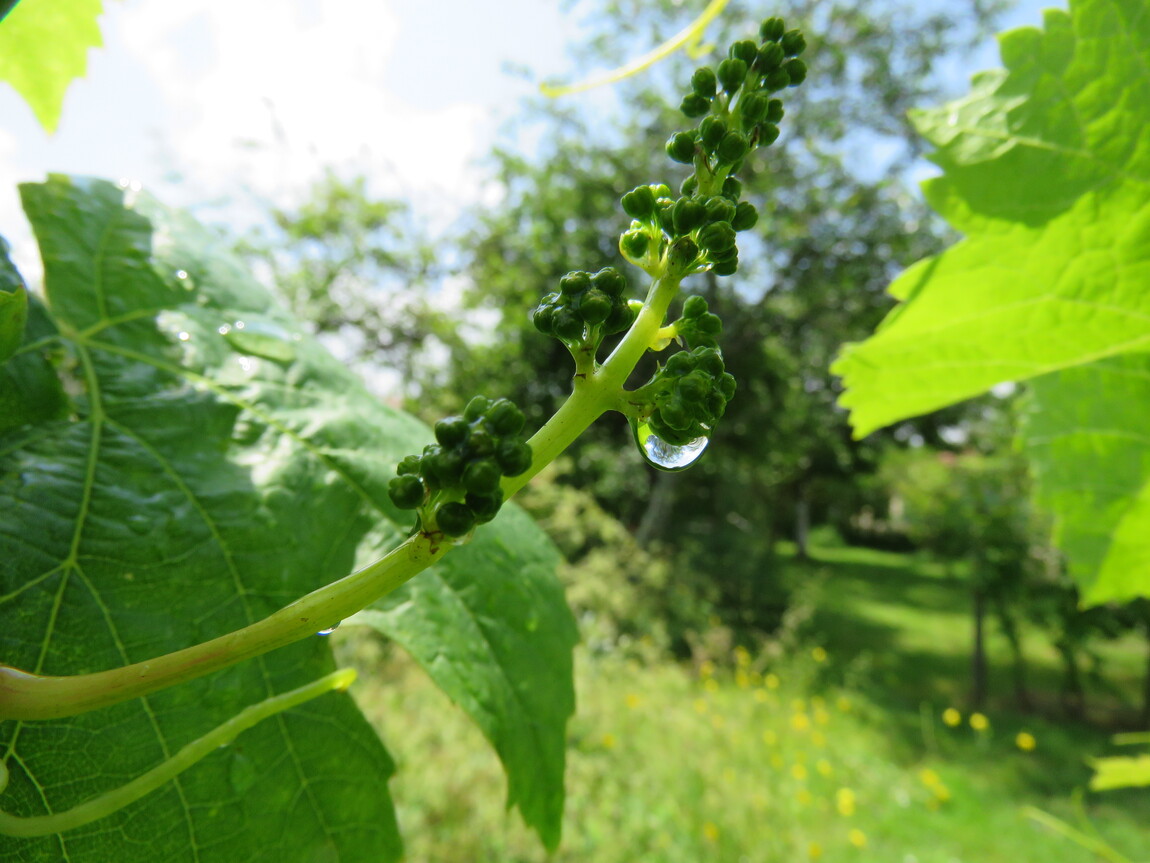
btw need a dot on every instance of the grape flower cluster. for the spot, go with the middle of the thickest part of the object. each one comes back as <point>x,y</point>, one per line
<point>455,483</point>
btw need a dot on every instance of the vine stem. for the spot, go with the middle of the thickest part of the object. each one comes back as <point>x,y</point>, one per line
<point>117,798</point>
<point>27,696</point>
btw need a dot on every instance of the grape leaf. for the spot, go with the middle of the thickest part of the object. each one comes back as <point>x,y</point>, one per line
<point>44,47</point>
<point>1046,170</point>
<point>213,464</point>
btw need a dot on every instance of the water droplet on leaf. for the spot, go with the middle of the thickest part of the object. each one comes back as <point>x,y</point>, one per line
<point>663,455</point>
<point>329,630</point>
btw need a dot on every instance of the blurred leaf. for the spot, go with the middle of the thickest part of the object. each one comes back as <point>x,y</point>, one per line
<point>13,308</point>
<point>44,47</point>
<point>1120,772</point>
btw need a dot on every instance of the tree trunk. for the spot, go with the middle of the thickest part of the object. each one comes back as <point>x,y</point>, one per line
<point>1073,696</point>
<point>1009,624</point>
<point>978,654</point>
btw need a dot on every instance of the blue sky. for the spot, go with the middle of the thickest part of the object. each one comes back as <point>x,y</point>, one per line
<point>183,100</point>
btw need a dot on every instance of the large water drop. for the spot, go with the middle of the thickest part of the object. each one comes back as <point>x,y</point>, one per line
<point>663,455</point>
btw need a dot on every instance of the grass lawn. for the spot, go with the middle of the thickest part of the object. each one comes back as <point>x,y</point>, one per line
<point>837,751</point>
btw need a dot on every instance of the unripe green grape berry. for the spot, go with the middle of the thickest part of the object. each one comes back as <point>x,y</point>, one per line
<point>544,320</point>
<point>514,460</point>
<point>694,105</point>
<point>568,325</point>
<point>745,216</point>
<point>680,364</point>
<point>793,42</point>
<point>726,268</point>
<point>634,245</point>
<point>703,82</point>
<point>594,306</point>
<point>797,69</point>
<point>733,147</point>
<point>755,107</point>
<point>774,111</point>
<point>768,134</point>
<point>639,203</point>
<point>476,408</point>
<point>681,147</point>
<point>481,477</point>
<point>481,443</point>
<point>732,189</point>
<point>454,518</point>
<point>448,468</point>
<point>719,209</point>
<point>408,466</point>
<point>452,431</point>
<point>777,79</point>
<point>710,361</point>
<point>745,50</point>
<point>727,385</point>
<point>675,414</point>
<point>683,253</point>
<point>772,29</point>
<point>484,506</point>
<point>621,317</point>
<point>688,186</point>
<point>575,283</point>
<point>716,406</point>
<point>610,281</point>
<point>661,190</point>
<point>732,72</point>
<point>666,216</point>
<point>717,237</point>
<point>688,214</point>
<point>694,386</point>
<point>694,306</point>
<point>711,131</point>
<point>406,492</point>
<point>770,57</point>
<point>504,418</point>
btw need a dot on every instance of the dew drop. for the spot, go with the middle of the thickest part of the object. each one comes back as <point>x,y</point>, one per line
<point>665,456</point>
<point>183,336</point>
<point>329,630</point>
<point>181,274</point>
<point>225,329</point>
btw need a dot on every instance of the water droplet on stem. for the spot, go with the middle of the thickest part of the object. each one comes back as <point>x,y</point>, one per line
<point>666,456</point>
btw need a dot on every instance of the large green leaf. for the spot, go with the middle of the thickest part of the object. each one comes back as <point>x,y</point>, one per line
<point>1047,172</point>
<point>44,47</point>
<point>215,464</point>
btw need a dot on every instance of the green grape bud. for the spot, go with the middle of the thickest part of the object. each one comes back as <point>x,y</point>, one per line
<point>634,245</point>
<point>688,186</point>
<point>448,467</point>
<point>476,408</point>
<point>727,385</point>
<point>719,209</point>
<point>406,492</point>
<point>452,431</point>
<point>774,111</point>
<point>683,253</point>
<point>745,50</point>
<point>514,459</point>
<point>732,72</point>
<point>717,237</point>
<point>777,79</point>
<point>794,43</point>
<point>594,306</point>
<point>544,319</point>
<point>481,477</point>
<point>726,268</point>
<point>568,325</point>
<point>770,57</point>
<point>745,216</point>
<point>733,147</point>
<point>681,146</point>
<point>639,203</point>
<point>687,215</point>
<point>610,281</point>
<point>661,190</point>
<point>454,518</point>
<point>666,217</point>
<point>703,82</point>
<point>484,506</point>
<point>408,466</point>
<point>732,189</point>
<point>504,418</point>
<point>710,325</point>
<point>755,107</point>
<point>481,443</point>
<point>680,364</point>
<point>717,255</point>
<point>768,134</point>
<point>575,283</point>
<point>694,306</point>
<point>716,406</point>
<point>694,105</point>
<point>675,414</point>
<point>711,131</point>
<point>621,317</point>
<point>797,69</point>
<point>709,360</point>
<point>694,386</point>
<point>772,29</point>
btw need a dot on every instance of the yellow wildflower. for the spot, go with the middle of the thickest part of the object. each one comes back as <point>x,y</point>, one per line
<point>1025,741</point>
<point>857,838</point>
<point>845,802</point>
<point>710,832</point>
<point>805,797</point>
<point>814,851</point>
<point>711,685</point>
<point>706,668</point>
<point>700,705</point>
<point>800,722</point>
<point>824,767</point>
<point>632,700</point>
<point>979,722</point>
<point>951,717</point>
<point>742,679</point>
<point>772,681</point>
<point>761,696</point>
<point>799,772</point>
<point>742,656</point>
<point>929,777</point>
<point>819,654</point>
<point>608,740</point>
<point>843,704</point>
